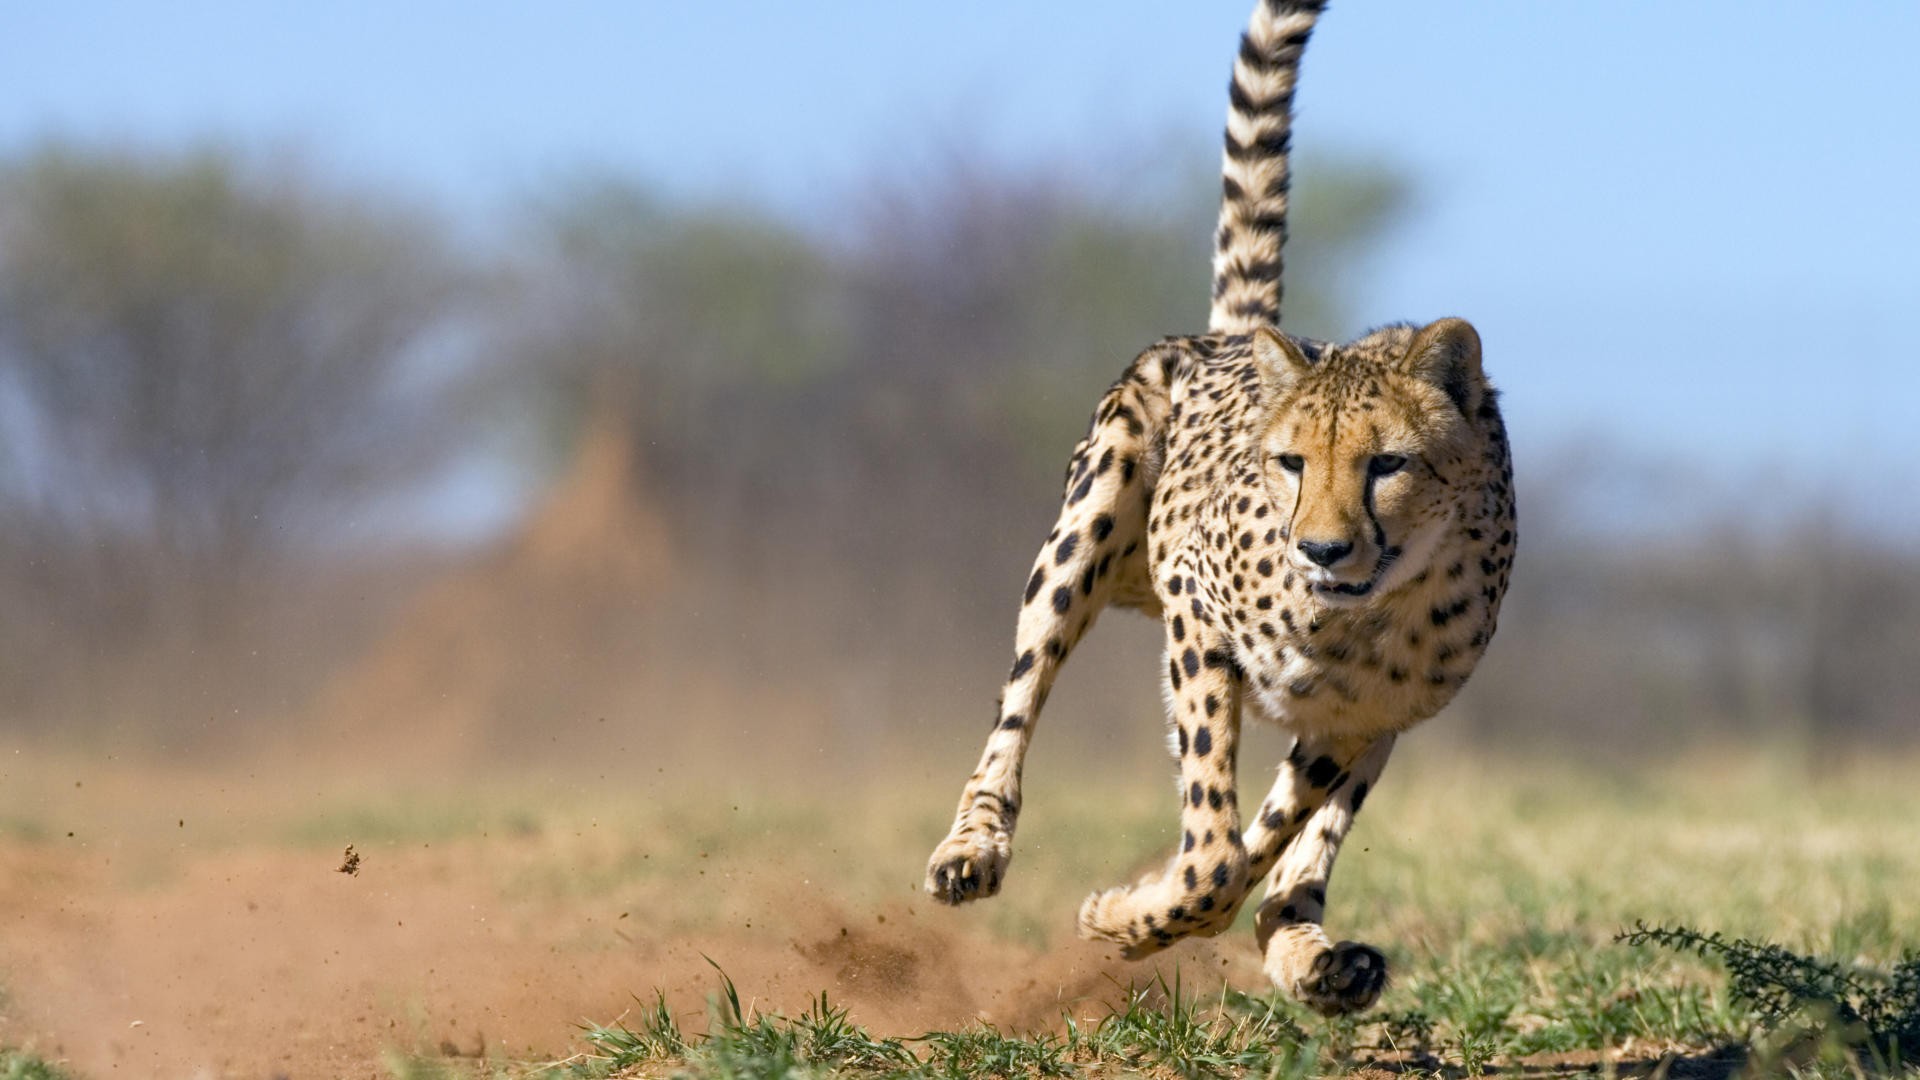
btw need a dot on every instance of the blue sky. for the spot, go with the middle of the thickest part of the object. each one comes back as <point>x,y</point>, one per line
<point>1690,229</point>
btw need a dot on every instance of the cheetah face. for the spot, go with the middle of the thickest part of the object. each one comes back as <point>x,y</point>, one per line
<point>1359,448</point>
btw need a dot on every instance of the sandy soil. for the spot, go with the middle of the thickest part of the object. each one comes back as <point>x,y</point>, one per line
<point>257,963</point>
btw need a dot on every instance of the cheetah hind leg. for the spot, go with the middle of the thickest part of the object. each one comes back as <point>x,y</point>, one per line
<point>1095,554</point>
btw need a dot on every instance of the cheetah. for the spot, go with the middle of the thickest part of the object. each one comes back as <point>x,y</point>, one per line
<point>1325,532</point>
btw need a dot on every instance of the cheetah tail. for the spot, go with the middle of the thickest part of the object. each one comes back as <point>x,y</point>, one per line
<point>1255,176</point>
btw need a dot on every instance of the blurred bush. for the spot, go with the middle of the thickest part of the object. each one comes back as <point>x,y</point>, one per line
<point>206,369</point>
<point>790,476</point>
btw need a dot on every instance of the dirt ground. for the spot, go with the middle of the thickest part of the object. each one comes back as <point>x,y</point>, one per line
<point>260,962</point>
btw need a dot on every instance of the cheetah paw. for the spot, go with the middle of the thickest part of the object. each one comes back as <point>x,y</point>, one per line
<point>968,866</point>
<point>1345,978</point>
<point>1147,917</point>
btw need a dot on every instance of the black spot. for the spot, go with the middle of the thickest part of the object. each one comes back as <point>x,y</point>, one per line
<point>1022,665</point>
<point>1213,704</point>
<point>1206,903</point>
<point>1179,628</point>
<point>1265,566</point>
<point>1220,876</point>
<point>1080,492</point>
<point>1322,771</point>
<point>1195,795</point>
<point>1038,579</point>
<point>1174,586</point>
<point>1065,551</point>
<point>1102,527</point>
<point>1213,798</point>
<point>1062,599</point>
<point>1290,913</point>
<point>1055,649</point>
<point>1013,723</point>
<point>1220,658</point>
<point>1086,580</point>
<point>1203,741</point>
<point>1274,819</point>
<point>1187,844</point>
<point>1265,603</point>
<point>1319,896</point>
<point>1359,795</point>
<point>1191,661</point>
<point>1173,672</point>
<point>1246,540</point>
<point>1193,881</point>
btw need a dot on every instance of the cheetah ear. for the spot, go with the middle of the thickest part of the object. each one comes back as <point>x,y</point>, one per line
<point>1280,359</point>
<point>1447,354</point>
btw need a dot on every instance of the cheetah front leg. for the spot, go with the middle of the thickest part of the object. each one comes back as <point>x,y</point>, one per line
<point>1203,885</point>
<point>1332,977</point>
<point>1094,552</point>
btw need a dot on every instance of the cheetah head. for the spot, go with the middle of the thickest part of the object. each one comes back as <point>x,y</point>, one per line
<point>1365,447</point>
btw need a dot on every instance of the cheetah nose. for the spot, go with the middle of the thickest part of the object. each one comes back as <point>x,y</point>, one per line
<point>1325,554</point>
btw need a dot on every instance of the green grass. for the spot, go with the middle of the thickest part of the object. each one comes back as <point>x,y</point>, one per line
<point>1161,1031</point>
<point>22,1065</point>
<point>1498,889</point>
<point>1798,1017</point>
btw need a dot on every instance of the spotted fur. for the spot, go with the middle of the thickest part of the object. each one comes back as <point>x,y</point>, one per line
<point>1325,532</point>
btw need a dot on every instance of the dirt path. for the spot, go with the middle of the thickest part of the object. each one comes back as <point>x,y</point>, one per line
<point>257,963</point>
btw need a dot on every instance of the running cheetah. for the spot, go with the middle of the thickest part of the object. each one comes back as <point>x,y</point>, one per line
<point>1325,531</point>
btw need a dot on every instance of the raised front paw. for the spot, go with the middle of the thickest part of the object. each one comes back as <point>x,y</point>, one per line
<point>1343,978</point>
<point>968,866</point>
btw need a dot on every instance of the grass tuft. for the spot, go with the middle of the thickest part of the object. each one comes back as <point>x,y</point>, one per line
<point>1839,1003</point>
<point>21,1065</point>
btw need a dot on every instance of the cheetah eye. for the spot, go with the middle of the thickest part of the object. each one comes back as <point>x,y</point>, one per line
<point>1293,463</point>
<point>1386,464</point>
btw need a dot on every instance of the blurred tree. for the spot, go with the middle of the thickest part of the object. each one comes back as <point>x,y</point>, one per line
<point>861,420</point>
<point>204,366</point>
